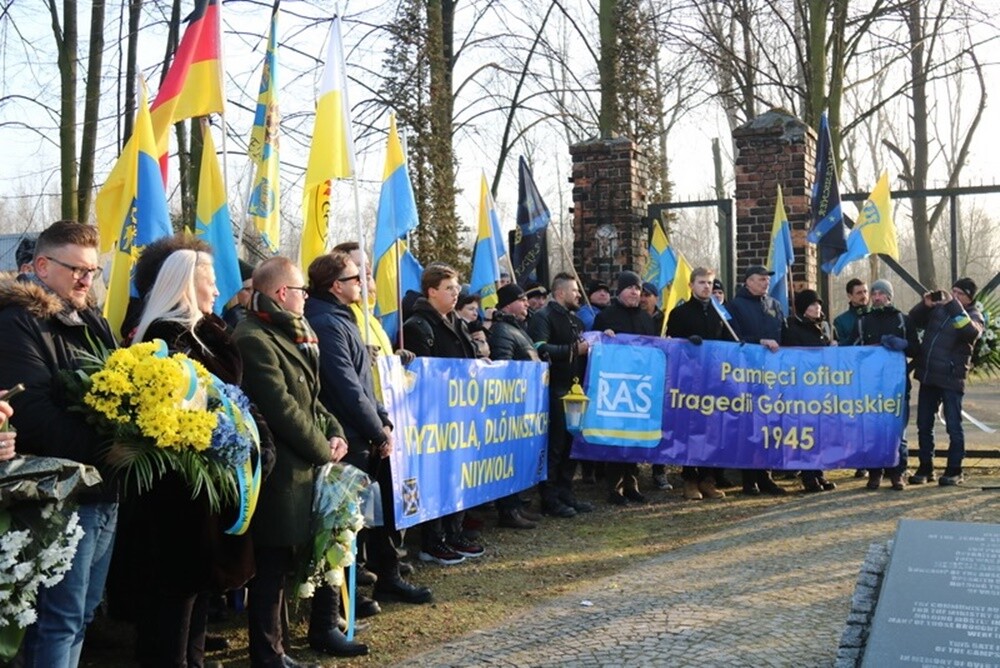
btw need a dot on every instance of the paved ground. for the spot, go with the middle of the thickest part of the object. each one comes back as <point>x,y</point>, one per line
<point>773,590</point>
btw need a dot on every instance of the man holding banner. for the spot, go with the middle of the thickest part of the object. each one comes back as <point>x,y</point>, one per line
<point>435,330</point>
<point>696,320</point>
<point>757,318</point>
<point>624,315</point>
<point>556,332</point>
<point>884,324</point>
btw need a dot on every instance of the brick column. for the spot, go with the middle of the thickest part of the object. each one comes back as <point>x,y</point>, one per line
<point>609,204</point>
<point>774,148</point>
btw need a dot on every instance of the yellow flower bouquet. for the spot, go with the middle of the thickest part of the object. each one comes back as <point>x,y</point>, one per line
<point>164,412</point>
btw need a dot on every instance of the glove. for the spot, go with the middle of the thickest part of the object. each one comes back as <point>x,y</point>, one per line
<point>406,356</point>
<point>893,342</point>
<point>696,340</point>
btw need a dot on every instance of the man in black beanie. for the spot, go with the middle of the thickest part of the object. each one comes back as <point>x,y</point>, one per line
<point>951,325</point>
<point>624,315</point>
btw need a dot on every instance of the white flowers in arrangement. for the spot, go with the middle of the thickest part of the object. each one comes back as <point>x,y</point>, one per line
<point>37,545</point>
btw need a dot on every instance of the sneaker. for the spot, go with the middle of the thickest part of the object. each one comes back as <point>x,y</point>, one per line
<point>949,480</point>
<point>660,480</point>
<point>691,491</point>
<point>465,547</point>
<point>441,554</point>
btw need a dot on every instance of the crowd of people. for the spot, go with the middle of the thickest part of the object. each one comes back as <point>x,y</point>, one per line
<point>302,347</point>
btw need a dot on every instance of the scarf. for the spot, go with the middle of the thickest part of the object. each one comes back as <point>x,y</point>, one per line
<point>294,326</point>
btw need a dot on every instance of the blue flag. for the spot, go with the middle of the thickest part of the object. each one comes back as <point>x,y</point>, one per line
<point>532,222</point>
<point>828,230</point>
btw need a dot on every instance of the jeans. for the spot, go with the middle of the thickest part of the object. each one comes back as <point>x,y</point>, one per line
<point>55,640</point>
<point>928,400</point>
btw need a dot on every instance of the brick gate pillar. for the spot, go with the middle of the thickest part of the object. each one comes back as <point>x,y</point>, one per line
<point>774,148</point>
<point>609,204</point>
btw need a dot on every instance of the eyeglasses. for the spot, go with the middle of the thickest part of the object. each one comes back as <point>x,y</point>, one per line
<point>347,279</point>
<point>78,272</point>
<point>301,288</point>
<point>450,288</point>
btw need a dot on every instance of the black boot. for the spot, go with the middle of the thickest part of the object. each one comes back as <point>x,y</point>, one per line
<point>324,636</point>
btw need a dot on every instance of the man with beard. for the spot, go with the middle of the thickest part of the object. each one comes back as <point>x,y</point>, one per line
<point>556,332</point>
<point>846,324</point>
<point>698,320</point>
<point>757,318</point>
<point>624,315</point>
<point>884,324</point>
<point>48,322</point>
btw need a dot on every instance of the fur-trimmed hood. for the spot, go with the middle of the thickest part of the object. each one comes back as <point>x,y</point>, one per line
<point>38,301</point>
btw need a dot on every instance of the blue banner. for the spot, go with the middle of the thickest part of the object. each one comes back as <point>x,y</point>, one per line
<point>740,406</point>
<point>466,432</point>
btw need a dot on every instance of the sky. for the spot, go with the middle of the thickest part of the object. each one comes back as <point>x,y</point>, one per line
<point>32,161</point>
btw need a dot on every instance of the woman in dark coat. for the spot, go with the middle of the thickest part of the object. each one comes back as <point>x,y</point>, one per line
<point>808,328</point>
<point>180,551</point>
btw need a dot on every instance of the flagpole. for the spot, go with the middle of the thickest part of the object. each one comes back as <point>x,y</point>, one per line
<point>562,246</point>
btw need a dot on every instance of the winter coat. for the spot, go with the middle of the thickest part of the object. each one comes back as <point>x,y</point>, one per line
<point>347,386</point>
<point>756,318</point>
<point>845,325</point>
<point>697,318</point>
<point>622,319</point>
<point>429,334</point>
<point>555,332</point>
<point>806,333</point>
<point>950,333</point>
<point>167,540</point>
<point>284,382</point>
<point>510,341</point>
<point>42,337</point>
<point>888,320</point>
<point>587,314</point>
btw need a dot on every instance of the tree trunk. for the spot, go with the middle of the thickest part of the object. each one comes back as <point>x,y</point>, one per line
<point>66,57</point>
<point>918,71</point>
<point>134,14</point>
<point>92,107</point>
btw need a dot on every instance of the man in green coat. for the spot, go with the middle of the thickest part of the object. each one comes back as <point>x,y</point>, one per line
<point>281,375</point>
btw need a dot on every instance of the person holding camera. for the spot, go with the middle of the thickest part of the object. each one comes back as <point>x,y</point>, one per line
<point>951,325</point>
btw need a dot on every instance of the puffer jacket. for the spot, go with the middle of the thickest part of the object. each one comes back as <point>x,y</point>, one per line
<point>950,332</point>
<point>509,340</point>
<point>40,337</point>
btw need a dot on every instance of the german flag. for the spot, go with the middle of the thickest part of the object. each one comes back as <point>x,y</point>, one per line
<point>193,84</point>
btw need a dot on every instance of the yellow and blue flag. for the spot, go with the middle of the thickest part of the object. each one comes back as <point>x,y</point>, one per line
<point>828,231</point>
<point>142,197</point>
<point>487,252</point>
<point>875,231</point>
<point>265,196</point>
<point>662,261</point>
<point>214,225</point>
<point>680,285</point>
<point>331,155</point>
<point>780,255</point>
<point>394,265</point>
